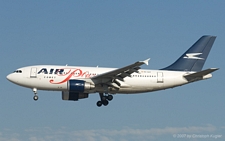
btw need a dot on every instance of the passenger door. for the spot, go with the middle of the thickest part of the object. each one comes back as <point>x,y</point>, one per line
<point>159,77</point>
<point>33,73</point>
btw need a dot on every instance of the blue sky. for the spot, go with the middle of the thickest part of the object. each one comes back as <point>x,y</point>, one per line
<point>110,34</point>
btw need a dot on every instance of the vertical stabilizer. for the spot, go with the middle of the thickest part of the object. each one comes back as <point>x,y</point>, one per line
<point>194,58</point>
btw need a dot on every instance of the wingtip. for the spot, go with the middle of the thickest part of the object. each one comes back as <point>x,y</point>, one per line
<point>146,61</point>
<point>215,69</point>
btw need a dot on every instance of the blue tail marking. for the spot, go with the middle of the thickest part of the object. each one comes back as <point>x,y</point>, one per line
<point>194,58</point>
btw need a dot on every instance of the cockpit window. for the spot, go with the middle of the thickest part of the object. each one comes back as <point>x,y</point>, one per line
<point>18,71</point>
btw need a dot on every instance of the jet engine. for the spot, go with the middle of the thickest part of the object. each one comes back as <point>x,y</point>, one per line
<point>77,89</point>
<point>79,86</point>
<point>67,95</point>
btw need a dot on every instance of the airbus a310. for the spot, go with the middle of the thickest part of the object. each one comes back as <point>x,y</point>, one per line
<point>76,82</point>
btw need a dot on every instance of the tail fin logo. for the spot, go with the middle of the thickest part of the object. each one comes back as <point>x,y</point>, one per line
<point>193,56</point>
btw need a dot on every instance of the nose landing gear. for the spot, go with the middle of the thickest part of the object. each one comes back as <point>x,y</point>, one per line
<point>35,94</point>
<point>105,98</point>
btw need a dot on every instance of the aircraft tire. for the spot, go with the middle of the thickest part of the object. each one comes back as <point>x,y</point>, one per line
<point>99,103</point>
<point>110,97</point>
<point>105,102</point>
<point>35,98</point>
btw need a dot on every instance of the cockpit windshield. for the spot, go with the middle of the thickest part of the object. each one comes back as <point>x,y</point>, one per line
<point>18,71</point>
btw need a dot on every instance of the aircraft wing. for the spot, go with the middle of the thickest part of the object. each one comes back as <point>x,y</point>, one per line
<point>119,74</point>
<point>200,74</point>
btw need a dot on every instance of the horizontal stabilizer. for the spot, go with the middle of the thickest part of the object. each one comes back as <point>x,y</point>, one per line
<point>200,74</point>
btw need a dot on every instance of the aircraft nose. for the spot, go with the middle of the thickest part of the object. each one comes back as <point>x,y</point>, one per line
<point>14,78</point>
<point>9,77</point>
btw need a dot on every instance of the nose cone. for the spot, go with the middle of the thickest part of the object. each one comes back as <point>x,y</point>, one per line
<point>17,78</point>
<point>11,78</point>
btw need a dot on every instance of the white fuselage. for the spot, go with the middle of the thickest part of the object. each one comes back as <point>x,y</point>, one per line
<point>77,82</point>
<point>55,78</point>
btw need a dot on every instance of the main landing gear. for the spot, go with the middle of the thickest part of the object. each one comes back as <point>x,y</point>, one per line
<point>35,94</point>
<point>105,98</point>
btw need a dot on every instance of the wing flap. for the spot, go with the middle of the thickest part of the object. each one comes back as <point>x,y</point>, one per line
<point>120,73</point>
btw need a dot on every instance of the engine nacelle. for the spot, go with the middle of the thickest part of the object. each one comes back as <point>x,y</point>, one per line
<point>79,86</point>
<point>68,95</point>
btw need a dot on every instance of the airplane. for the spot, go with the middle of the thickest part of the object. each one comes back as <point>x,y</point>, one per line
<point>76,82</point>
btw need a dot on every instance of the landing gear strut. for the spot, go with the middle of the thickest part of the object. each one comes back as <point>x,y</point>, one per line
<point>105,98</point>
<point>35,94</point>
